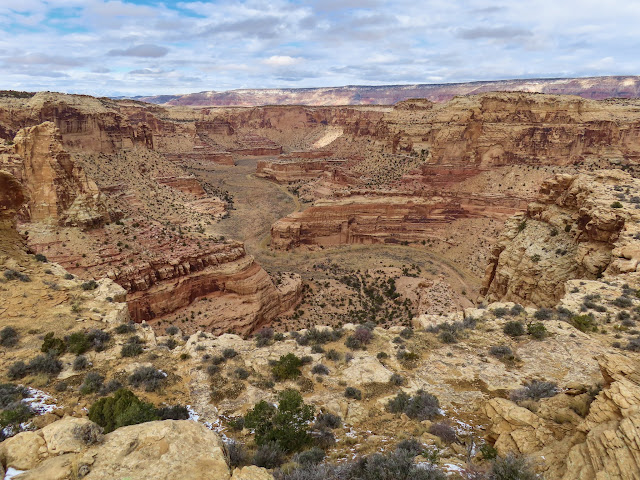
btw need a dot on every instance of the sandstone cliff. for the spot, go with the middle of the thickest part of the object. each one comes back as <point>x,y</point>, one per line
<point>57,188</point>
<point>581,226</point>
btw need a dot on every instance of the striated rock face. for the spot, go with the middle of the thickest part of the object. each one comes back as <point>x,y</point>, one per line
<point>160,450</point>
<point>58,190</point>
<point>605,444</point>
<point>294,171</point>
<point>244,292</point>
<point>581,226</point>
<point>11,195</point>
<point>376,217</point>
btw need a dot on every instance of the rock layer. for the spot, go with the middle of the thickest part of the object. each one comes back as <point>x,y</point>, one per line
<point>581,226</point>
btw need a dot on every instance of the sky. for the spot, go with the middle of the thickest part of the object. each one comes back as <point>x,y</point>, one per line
<point>144,47</point>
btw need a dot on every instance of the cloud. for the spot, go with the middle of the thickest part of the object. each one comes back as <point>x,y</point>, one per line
<point>43,59</point>
<point>145,50</point>
<point>501,33</point>
<point>281,61</point>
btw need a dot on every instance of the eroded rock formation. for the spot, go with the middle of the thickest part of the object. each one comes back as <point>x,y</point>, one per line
<point>57,188</point>
<point>581,226</point>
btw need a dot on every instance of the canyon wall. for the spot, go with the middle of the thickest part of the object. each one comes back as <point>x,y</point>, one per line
<point>581,226</point>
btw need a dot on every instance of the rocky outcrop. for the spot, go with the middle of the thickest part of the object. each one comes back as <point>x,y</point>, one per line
<point>381,217</point>
<point>581,226</point>
<point>57,188</point>
<point>605,444</point>
<point>72,448</point>
<point>11,196</point>
<point>289,171</point>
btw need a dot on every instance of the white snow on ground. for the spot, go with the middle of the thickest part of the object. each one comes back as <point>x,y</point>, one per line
<point>216,425</point>
<point>12,472</point>
<point>40,402</point>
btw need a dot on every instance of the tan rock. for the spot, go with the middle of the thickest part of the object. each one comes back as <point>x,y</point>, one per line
<point>22,452</point>
<point>70,435</point>
<point>251,473</point>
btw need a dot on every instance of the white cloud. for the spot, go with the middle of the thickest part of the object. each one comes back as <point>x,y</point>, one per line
<point>281,61</point>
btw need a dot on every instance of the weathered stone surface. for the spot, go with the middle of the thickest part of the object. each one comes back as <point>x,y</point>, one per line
<point>251,473</point>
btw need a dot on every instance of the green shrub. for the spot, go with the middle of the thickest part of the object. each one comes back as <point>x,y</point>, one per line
<point>41,258</point>
<point>125,328</point>
<point>123,408</point>
<point>175,412</point>
<point>488,452</point>
<point>78,343</point>
<point>513,329</point>
<point>511,467</point>
<point>53,345</point>
<point>616,204</point>
<point>90,285</point>
<point>352,392</point>
<point>8,337</point>
<point>584,323</point>
<point>543,314</point>
<point>284,425</point>
<point>310,457</point>
<point>287,367</point>
<point>537,330</point>
<point>229,353</point>
<point>93,382</point>
<point>320,369</point>
<point>421,406</point>
<point>500,312</point>
<point>12,417</point>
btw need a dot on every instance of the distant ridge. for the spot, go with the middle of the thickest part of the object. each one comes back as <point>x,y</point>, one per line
<point>595,88</point>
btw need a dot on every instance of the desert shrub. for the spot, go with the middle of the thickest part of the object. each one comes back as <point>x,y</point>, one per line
<point>80,363</point>
<point>90,285</point>
<point>171,343</point>
<point>623,302</point>
<point>396,465</point>
<point>68,276</point>
<point>264,337</point>
<point>269,455</point>
<point>12,417</point>
<point>213,370</point>
<point>287,367</point>
<point>78,343</point>
<point>310,457</point>
<point>411,446</point>
<point>60,387</point>
<point>320,370</point>
<point>584,323</point>
<point>241,373</point>
<point>53,345</point>
<point>334,355</point>
<point>278,337</point>
<point>323,438</point>
<point>236,453</point>
<point>123,408</point>
<point>537,330</point>
<point>124,328</point>
<point>543,314</point>
<point>47,364</point>
<point>382,355</point>
<point>172,330</point>
<point>407,333</point>
<point>17,370</point>
<point>421,406</point>
<point>41,258</point>
<point>488,452</point>
<point>397,380</point>
<point>513,329</point>
<point>175,412</point>
<point>229,353</point>
<point>359,339</point>
<point>444,431</point>
<point>501,351</point>
<point>317,349</point>
<point>131,350</point>
<point>10,394</point>
<point>147,377</point>
<point>447,337</point>
<point>218,360</point>
<point>13,275</point>
<point>328,420</point>
<point>500,312</point>
<point>616,204</point>
<point>93,382</point>
<point>110,387</point>
<point>286,425</point>
<point>352,392</point>
<point>634,344</point>
<point>98,339</point>
<point>534,390</point>
<point>516,310</point>
<point>511,467</point>
<point>8,337</point>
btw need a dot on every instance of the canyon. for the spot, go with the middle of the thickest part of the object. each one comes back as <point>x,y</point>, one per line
<point>218,240</point>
